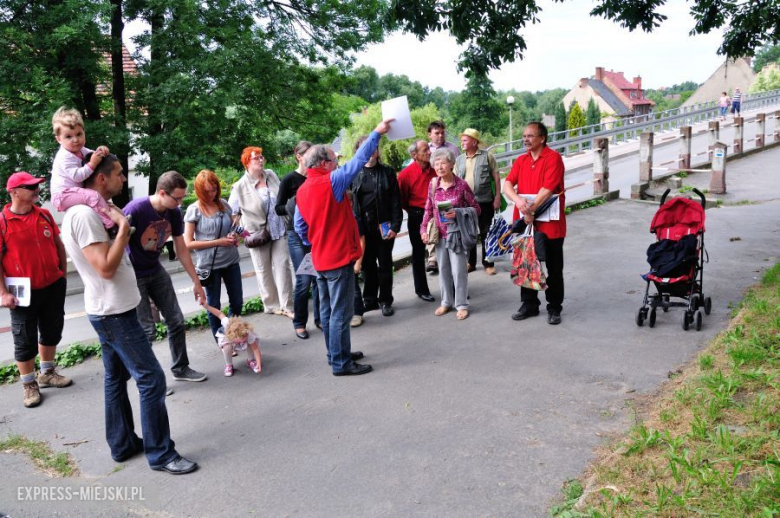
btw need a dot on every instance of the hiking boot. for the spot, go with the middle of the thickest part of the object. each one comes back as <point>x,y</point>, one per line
<point>32,394</point>
<point>52,378</point>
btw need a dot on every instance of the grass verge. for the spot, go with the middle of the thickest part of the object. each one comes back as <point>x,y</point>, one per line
<point>53,464</point>
<point>709,442</point>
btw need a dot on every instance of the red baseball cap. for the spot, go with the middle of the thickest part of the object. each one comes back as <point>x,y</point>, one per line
<point>22,178</point>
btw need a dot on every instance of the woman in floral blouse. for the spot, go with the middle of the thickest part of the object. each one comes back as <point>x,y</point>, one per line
<point>453,275</point>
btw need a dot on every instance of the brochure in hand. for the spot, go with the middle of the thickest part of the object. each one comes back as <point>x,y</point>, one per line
<point>384,229</point>
<point>443,207</point>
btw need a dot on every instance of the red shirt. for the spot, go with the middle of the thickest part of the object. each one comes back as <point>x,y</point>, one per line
<point>530,175</point>
<point>413,183</point>
<point>30,249</point>
<point>333,231</point>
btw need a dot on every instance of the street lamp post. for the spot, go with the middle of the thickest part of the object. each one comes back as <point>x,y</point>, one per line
<point>510,101</point>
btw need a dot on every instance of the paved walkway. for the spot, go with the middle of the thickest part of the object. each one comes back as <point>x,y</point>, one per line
<point>482,417</point>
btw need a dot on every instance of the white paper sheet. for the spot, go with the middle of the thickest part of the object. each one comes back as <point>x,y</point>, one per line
<point>19,288</point>
<point>553,213</point>
<point>401,128</point>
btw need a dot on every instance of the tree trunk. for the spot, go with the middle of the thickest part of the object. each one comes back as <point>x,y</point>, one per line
<point>121,147</point>
<point>156,21</point>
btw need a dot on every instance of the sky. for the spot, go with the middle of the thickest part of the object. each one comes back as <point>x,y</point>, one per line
<point>566,45</point>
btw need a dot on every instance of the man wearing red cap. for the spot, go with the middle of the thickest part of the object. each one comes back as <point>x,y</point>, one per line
<point>30,247</point>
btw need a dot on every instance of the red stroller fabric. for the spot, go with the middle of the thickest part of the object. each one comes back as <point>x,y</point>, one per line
<point>677,218</point>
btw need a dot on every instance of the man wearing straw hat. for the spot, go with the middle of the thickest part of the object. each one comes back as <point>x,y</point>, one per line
<point>479,169</point>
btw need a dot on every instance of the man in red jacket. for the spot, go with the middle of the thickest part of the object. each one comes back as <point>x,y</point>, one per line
<point>324,218</point>
<point>30,247</point>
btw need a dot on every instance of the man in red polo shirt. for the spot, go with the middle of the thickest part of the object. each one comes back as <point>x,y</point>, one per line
<point>540,172</point>
<point>30,247</point>
<point>414,183</point>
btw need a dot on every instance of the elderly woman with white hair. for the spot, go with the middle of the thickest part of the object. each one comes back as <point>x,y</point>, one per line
<point>446,194</point>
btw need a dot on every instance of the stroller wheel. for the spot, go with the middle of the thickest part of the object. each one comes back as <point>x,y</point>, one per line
<point>685,321</point>
<point>651,319</point>
<point>640,316</point>
<point>698,317</point>
<point>695,301</point>
<point>707,305</point>
<point>666,301</point>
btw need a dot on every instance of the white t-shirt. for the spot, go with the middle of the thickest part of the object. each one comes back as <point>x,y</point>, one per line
<point>82,227</point>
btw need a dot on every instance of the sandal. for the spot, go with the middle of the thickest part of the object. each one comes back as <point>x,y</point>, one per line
<point>462,314</point>
<point>441,310</point>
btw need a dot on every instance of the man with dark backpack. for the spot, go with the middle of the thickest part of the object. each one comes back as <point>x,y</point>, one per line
<point>31,249</point>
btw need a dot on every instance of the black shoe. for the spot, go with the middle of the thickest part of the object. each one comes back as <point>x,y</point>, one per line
<point>554,318</point>
<point>356,355</point>
<point>178,466</point>
<point>387,310</point>
<point>139,448</point>
<point>354,369</point>
<point>370,306</point>
<point>318,324</point>
<point>427,297</point>
<point>525,312</point>
<point>432,268</point>
<point>303,335</point>
<point>190,375</point>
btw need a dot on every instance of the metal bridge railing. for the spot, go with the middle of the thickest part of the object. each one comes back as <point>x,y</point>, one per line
<point>624,130</point>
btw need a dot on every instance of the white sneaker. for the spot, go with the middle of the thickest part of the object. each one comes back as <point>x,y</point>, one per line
<point>356,321</point>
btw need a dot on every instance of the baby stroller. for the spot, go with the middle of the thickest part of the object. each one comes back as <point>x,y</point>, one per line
<point>677,262</point>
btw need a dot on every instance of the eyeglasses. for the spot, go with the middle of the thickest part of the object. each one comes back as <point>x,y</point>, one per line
<point>257,158</point>
<point>177,199</point>
<point>530,136</point>
<point>30,187</point>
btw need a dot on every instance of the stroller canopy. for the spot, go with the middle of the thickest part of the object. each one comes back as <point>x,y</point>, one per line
<point>678,217</point>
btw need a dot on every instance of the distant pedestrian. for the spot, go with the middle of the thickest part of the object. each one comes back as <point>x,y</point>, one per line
<point>413,183</point>
<point>539,173</point>
<point>110,298</point>
<point>479,169</point>
<point>235,335</point>
<point>324,218</point>
<point>158,218</point>
<point>30,247</point>
<point>724,103</point>
<point>736,102</point>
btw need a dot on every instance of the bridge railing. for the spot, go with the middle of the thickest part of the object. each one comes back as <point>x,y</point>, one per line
<point>569,142</point>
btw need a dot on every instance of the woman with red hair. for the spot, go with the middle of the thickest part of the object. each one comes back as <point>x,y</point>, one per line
<point>254,198</point>
<point>207,231</point>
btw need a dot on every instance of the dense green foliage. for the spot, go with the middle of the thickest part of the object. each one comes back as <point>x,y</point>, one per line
<point>592,113</point>
<point>767,80</point>
<point>765,56</point>
<point>576,119</point>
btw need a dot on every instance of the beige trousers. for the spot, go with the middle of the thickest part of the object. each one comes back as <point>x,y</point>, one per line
<point>273,269</point>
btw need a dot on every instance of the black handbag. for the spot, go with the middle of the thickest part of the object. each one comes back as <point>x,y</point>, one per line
<point>261,237</point>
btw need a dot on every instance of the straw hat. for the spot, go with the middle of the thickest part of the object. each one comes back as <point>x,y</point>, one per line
<point>471,132</point>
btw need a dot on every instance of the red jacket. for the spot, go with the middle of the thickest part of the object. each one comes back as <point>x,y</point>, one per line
<point>333,231</point>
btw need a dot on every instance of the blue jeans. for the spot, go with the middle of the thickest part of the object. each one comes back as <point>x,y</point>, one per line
<point>159,288</point>
<point>231,276</point>
<point>337,291</point>
<point>302,283</point>
<point>128,353</point>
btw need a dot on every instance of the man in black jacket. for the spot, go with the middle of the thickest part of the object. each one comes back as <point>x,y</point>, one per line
<point>378,201</point>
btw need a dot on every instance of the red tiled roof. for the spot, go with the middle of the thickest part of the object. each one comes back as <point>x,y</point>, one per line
<point>128,64</point>
<point>620,81</point>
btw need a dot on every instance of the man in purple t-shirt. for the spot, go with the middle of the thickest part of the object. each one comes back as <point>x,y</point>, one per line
<point>156,218</point>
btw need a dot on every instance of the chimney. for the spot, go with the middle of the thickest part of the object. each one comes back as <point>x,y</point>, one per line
<point>638,82</point>
<point>599,73</point>
<point>583,82</point>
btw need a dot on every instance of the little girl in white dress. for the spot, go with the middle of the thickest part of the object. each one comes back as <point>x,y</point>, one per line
<point>236,335</point>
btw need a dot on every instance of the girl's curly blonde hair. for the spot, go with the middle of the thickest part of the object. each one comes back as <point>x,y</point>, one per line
<point>237,330</point>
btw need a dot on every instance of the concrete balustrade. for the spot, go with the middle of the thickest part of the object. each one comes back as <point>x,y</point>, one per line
<point>776,131</point>
<point>739,135</point>
<point>718,178</point>
<point>685,147</point>
<point>646,156</point>
<point>760,129</point>
<point>600,166</point>
<point>713,136</point>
